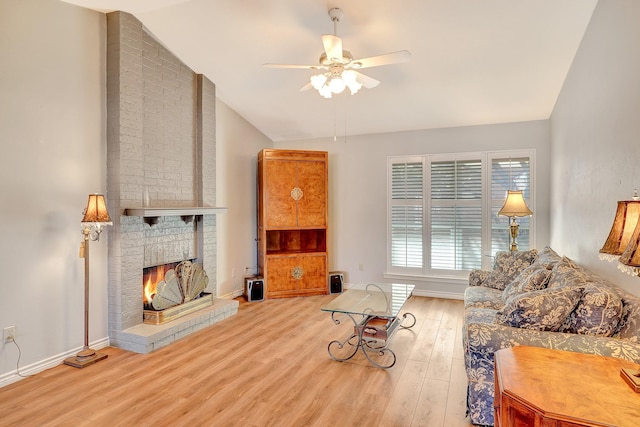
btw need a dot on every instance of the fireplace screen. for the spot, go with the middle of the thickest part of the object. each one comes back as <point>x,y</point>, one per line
<point>174,289</point>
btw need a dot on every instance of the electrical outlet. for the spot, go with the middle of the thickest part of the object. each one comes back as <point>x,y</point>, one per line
<point>9,333</point>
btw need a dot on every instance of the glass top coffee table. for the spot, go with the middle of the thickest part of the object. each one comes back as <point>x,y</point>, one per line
<point>374,310</point>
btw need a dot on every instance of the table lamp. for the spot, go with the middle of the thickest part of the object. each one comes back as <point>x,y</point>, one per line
<point>514,206</point>
<point>624,224</point>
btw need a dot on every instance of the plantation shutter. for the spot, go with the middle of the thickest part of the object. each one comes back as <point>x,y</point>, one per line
<point>509,174</point>
<point>456,214</point>
<point>407,180</point>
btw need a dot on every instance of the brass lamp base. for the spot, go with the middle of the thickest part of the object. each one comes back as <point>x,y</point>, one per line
<point>85,358</point>
<point>632,377</point>
<point>513,228</point>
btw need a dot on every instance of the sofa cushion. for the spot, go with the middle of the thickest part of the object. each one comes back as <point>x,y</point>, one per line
<point>599,312</point>
<point>566,273</point>
<point>630,324</point>
<point>482,297</point>
<point>532,278</point>
<point>478,277</point>
<point>547,258</point>
<point>479,315</point>
<point>507,266</point>
<point>543,310</point>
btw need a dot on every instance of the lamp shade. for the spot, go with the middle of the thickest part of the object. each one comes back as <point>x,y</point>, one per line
<point>622,230</point>
<point>514,205</point>
<point>96,210</point>
<point>629,261</point>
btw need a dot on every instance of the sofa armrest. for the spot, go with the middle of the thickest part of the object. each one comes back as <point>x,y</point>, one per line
<point>482,340</point>
<point>478,277</point>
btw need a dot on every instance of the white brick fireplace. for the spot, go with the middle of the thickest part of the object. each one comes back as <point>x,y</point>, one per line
<point>160,180</point>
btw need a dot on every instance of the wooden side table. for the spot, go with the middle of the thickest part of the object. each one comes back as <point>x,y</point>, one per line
<point>542,387</point>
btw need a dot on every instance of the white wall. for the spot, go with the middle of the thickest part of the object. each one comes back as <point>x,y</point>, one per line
<point>357,188</point>
<point>53,139</point>
<point>595,132</point>
<point>52,134</point>
<point>237,147</point>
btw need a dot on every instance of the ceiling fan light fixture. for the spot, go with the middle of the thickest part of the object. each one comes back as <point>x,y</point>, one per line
<point>354,87</point>
<point>350,79</point>
<point>325,91</point>
<point>337,85</point>
<point>318,81</point>
<point>322,83</point>
<point>328,83</point>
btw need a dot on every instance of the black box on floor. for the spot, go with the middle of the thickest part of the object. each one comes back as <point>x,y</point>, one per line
<point>336,279</point>
<point>254,288</point>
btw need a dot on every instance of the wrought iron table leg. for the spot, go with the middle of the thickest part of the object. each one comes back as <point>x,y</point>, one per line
<point>370,347</point>
<point>339,345</point>
<point>410,319</point>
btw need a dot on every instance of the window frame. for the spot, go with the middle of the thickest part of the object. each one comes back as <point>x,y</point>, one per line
<point>391,204</point>
<point>486,158</point>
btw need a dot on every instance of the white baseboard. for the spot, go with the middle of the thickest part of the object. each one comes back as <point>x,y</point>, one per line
<point>429,293</point>
<point>34,368</point>
<point>438,294</point>
<point>232,295</point>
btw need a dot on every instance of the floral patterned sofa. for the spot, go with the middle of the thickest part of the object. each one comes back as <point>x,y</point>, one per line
<point>543,300</point>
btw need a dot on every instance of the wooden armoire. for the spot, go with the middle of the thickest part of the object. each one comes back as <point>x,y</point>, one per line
<point>292,222</point>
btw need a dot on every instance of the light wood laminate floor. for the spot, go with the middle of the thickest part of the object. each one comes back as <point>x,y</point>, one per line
<point>266,366</point>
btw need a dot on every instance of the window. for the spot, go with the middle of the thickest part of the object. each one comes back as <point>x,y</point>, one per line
<point>407,213</point>
<point>443,210</point>
<point>456,214</point>
<point>509,174</point>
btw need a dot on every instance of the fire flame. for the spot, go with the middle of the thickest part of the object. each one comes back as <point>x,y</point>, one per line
<point>151,283</point>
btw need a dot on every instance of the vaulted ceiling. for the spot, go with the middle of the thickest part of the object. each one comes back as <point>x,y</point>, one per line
<point>473,62</point>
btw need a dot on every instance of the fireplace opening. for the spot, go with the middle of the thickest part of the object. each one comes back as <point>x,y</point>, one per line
<point>151,276</point>
<point>172,290</point>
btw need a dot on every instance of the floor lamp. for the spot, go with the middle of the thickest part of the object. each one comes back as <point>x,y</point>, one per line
<point>514,206</point>
<point>95,217</point>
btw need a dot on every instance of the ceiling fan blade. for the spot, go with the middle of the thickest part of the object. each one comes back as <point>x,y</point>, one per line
<point>306,67</point>
<point>332,47</point>
<point>305,87</point>
<point>385,59</point>
<point>366,81</point>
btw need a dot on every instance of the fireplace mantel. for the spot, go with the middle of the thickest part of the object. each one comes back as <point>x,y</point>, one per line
<point>151,215</point>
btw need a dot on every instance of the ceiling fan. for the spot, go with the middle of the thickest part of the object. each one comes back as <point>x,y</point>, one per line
<point>338,66</point>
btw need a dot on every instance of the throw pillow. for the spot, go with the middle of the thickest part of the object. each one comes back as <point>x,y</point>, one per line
<point>507,266</point>
<point>567,273</point>
<point>547,258</point>
<point>478,277</point>
<point>630,325</point>
<point>532,278</point>
<point>599,312</point>
<point>543,310</point>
